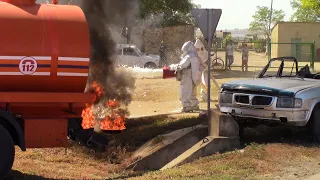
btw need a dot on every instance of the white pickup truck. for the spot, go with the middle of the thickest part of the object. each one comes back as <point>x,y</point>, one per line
<point>280,93</point>
<point>129,55</point>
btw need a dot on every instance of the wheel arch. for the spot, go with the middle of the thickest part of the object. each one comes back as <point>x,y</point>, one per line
<point>8,121</point>
<point>314,104</point>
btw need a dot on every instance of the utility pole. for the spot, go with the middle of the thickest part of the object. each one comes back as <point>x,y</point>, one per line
<point>270,20</point>
<point>269,32</point>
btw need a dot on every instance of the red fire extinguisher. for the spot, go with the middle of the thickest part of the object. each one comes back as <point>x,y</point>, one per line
<point>168,73</point>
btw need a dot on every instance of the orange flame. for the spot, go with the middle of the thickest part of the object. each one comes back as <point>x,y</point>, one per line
<point>87,117</point>
<point>113,121</point>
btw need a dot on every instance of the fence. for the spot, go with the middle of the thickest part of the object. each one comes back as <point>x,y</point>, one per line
<point>303,52</point>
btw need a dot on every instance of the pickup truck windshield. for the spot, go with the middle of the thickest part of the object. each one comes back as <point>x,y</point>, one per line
<point>139,52</point>
<point>279,68</point>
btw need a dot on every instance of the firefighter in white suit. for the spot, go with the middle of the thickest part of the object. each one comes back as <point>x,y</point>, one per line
<point>190,68</point>
<point>203,54</point>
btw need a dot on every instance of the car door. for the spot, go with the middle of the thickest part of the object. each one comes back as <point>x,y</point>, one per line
<point>130,57</point>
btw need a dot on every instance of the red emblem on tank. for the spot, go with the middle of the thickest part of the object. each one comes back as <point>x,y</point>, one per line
<point>28,65</point>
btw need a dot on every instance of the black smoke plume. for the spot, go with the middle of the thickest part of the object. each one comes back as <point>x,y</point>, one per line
<point>118,84</point>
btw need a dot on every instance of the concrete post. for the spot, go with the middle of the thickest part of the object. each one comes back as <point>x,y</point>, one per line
<point>223,125</point>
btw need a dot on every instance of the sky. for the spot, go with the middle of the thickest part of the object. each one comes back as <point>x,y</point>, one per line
<point>238,13</point>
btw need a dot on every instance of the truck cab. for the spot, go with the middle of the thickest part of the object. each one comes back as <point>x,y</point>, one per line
<point>129,55</point>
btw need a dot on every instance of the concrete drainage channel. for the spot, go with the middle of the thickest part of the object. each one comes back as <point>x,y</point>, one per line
<point>185,145</point>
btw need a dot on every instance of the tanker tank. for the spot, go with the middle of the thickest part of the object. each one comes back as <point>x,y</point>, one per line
<point>44,47</point>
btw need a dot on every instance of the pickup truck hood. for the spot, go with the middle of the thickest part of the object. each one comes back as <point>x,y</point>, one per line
<point>273,86</point>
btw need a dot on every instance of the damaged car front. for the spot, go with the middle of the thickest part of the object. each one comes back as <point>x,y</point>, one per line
<point>278,94</point>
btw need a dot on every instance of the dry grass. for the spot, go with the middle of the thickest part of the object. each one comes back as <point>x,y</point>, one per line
<point>252,162</point>
<point>255,161</point>
<point>77,162</point>
<point>72,163</point>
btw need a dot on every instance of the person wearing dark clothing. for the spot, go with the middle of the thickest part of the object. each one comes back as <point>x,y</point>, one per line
<point>163,57</point>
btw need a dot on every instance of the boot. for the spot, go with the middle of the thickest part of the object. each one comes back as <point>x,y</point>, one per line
<point>186,109</point>
<point>196,108</point>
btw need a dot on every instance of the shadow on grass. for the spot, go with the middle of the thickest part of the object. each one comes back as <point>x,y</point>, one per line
<point>140,130</point>
<point>131,175</point>
<point>277,133</point>
<point>16,175</point>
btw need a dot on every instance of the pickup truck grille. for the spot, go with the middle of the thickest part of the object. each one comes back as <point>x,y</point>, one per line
<point>261,100</point>
<point>245,99</point>
<point>242,99</point>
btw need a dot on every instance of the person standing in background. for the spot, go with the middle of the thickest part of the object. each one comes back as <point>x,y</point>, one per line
<point>163,57</point>
<point>230,57</point>
<point>245,56</point>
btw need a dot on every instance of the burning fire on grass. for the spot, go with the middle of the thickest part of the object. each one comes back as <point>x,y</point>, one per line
<point>105,115</point>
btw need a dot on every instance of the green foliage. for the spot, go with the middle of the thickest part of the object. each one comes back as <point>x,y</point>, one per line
<point>302,13</point>
<point>173,12</point>
<point>313,5</point>
<point>258,44</point>
<point>226,40</point>
<point>261,19</point>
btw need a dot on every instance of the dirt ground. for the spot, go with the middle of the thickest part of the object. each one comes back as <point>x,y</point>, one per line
<point>267,152</point>
<point>161,96</point>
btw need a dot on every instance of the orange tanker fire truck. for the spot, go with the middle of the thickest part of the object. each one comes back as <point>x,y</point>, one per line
<point>44,64</point>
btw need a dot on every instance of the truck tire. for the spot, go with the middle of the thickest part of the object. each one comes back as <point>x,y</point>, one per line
<point>7,152</point>
<point>150,65</point>
<point>314,126</point>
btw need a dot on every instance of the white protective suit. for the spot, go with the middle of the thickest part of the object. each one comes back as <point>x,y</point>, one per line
<point>191,72</point>
<point>203,54</point>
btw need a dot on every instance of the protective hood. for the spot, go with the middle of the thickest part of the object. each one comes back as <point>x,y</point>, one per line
<point>202,54</point>
<point>188,47</point>
<point>199,44</point>
<point>191,58</point>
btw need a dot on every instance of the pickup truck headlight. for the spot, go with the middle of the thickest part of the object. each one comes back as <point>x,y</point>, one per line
<point>289,102</point>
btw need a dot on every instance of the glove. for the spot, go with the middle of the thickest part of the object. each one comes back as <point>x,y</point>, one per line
<point>173,67</point>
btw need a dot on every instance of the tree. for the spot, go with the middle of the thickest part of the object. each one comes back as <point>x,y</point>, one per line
<point>302,13</point>
<point>262,17</point>
<point>126,14</point>
<point>173,12</point>
<point>226,40</point>
<point>313,5</point>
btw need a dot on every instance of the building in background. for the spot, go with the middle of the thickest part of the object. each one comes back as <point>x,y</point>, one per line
<point>299,36</point>
<point>220,35</point>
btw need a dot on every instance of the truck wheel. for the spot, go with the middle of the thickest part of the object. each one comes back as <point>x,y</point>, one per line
<point>314,126</point>
<point>150,65</point>
<point>7,152</point>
